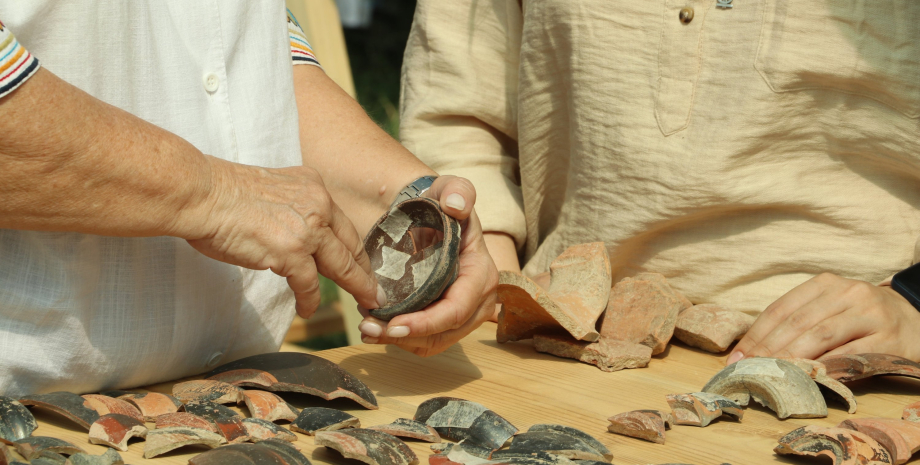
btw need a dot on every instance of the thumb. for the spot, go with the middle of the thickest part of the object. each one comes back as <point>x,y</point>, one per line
<point>456,195</point>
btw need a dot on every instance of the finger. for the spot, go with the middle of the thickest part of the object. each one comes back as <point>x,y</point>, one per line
<point>862,345</point>
<point>335,261</point>
<point>828,334</point>
<point>372,327</point>
<point>345,231</point>
<point>826,306</point>
<point>304,281</point>
<point>437,343</point>
<point>456,195</point>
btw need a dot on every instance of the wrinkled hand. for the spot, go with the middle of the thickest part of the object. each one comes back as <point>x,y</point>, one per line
<point>466,304</point>
<point>283,220</point>
<point>833,315</point>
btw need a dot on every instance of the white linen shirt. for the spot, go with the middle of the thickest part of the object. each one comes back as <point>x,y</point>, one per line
<point>83,313</point>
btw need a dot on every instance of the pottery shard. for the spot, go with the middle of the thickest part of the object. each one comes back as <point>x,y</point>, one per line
<point>462,420</point>
<point>843,446</point>
<point>830,387</point>
<point>911,412</point>
<point>606,354</point>
<point>587,438</point>
<point>367,445</point>
<point>232,429</point>
<point>774,383</point>
<point>900,437</point>
<point>152,404</point>
<point>208,390</point>
<point>16,421</point>
<point>185,419</point>
<point>701,408</point>
<point>642,312</point>
<point>710,327</point>
<point>114,430</point>
<point>552,442</point>
<point>313,419</point>
<point>643,424</point>
<point>404,427</point>
<point>261,430</point>
<point>68,404</point>
<point>35,446</point>
<point>268,406</point>
<point>852,367</point>
<point>209,410</point>
<point>110,457</point>
<point>161,441</point>
<point>105,405</point>
<point>576,296</point>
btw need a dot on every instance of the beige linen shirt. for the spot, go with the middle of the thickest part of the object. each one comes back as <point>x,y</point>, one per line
<point>738,154</point>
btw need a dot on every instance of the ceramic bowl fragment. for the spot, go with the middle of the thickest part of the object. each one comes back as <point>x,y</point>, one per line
<point>466,448</point>
<point>9,457</point>
<point>852,367</point>
<point>288,451</point>
<point>642,310</point>
<point>114,430</point>
<point>110,457</point>
<point>16,421</point>
<point>260,430</point>
<point>104,405</point>
<point>185,419</point>
<point>459,420</point>
<point>313,419</point>
<point>607,354</point>
<point>701,408</point>
<point>711,327</point>
<point>591,441</point>
<point>532,458</point>
<point>642,424</point>
<point>911,412</point>
<point>232,429</point>
<point>900,438</point>
<point>552,442</point>
<point>830,387</point>
<point>774,383</point>
<point>67,404</point>
<point>209,410</point>
<point>268,406</point>
<point>295,372</point>
<point>152,404</point>
<point>161,441</point>
<point>239,454</point>
<point>406,428</point>
<point>367,445</point>
<point>34,446</point>
<point>843,446</point>
<point>207,390</point>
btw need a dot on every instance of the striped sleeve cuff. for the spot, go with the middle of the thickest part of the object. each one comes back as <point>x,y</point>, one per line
<point>301,52</point>
<point>16,63</point>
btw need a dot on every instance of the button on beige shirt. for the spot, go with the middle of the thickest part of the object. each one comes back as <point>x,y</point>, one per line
<point>738,154</point>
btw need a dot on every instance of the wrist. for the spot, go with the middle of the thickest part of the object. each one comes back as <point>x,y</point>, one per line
<point>204,191</point>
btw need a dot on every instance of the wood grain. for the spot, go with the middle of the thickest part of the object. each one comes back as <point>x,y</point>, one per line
<point>529,388</point>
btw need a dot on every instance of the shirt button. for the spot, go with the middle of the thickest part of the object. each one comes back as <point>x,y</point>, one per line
<point>214,359</point>
<point>211,83</point>
<point>686,15</point>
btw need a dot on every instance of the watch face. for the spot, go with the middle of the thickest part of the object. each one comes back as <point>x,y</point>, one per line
<point>907,283</point>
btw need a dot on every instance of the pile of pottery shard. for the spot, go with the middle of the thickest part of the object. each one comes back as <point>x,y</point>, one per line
<point>573,312</point>
<point>795,388</point>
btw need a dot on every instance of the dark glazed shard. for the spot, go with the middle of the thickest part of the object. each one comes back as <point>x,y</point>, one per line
<point>238,454</point>
<point>458,420</point>
<point>34,446</point>
<point>67,404</point>
<point>531,458</point>
<point>466,448</point>
<point>104,405</point>
<point>261,430</point>
<point>701,408</point>
<point>114,430</point>
<point>161,441</point>
<point>268,406</point>
<point>774,383</point>
<point>152,404</point>
<point>643,424</point>
<point>844,447</point>
<point>850,367</point>
<point>587,438</point>
<point>551,442</point>
<point>185,419</point>
<point>315,419</point>
<point>208,390</point>
<point>404,427</point>
<point>110,457</point>
<point>209,410</point>
<point>232,429</point>
<point>291,454</point>
<point>369,446</point>
<point>16,421</point>
<point>296,372</point>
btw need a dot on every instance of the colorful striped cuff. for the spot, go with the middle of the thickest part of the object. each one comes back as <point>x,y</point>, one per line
<point>16,63</point>
<point>301,52</point>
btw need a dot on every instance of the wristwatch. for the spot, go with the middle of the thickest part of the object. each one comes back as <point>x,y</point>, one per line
<point>907,283</point>
<point>414,190</point>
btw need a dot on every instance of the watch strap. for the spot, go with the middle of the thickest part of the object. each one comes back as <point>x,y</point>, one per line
<point>414,189</point>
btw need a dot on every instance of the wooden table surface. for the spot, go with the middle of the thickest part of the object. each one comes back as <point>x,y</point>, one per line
<point>527,388</point>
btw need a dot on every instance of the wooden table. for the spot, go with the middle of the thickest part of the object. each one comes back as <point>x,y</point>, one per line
<point>527,387</point>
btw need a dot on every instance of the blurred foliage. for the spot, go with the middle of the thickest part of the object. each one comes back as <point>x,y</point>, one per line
<point>326,341</point>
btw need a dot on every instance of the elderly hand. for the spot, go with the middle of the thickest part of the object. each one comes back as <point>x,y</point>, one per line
<point>466,304</point>
<point>283,220</point>
<point>833,315</point>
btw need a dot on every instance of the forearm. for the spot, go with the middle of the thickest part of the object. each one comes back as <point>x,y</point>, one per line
<point>501,248</point>
<point>70,162</point>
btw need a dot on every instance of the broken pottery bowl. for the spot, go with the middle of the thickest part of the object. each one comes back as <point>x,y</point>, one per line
<point>701,408</point>
<point>459,420</point>
<point>188,420</point>
<point>774,383</point>
<point>240,454</point>
<point>232,429</point>
<point>104,405</point>
<point>207,390</point>
<point>114,430</point>
<point>367,445</point>
<point>67,404</point>
<point>842,446</point>
<point>313,419</point>
<point>553,442</point>
<point>152,404</point>
<point>268,406</point>
<point>852,367</point>
<point>642,424</point>
<point>711,327</point>
<point>109,457</point>
<point>34,446</point>
<point>406,428</point>
<point>260,430</point>
<point>830,387</point>
<point>209,411</point>
<point>161,441</point>
<point>577,433</point>
<point>900,438</point>
<point>16,421</point>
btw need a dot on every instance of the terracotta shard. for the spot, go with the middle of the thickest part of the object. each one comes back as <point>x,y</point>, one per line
<point>114,430</point>
<point>34,446</point>
<point>829,387</point>
<point>404,427</point>
<point>104,405</point>
<point>900,438</point>
<point>313,419</point>
<point>577,433</point>
<point>260,430</point>
<point>711,328</point>
<point>209,410</point>
<point>844,447</point>
<point>659,279</point>
<point>152,404</point>
<point>606,354</point>
<point>8,457</point>
<point>161,441</point>
<point>701,408</point>
<point>185,419</point>
<point>268,406</point>
<point>643,424</point>
<point>774,383</point>
<point>576,296</point>
<point>232,429</point>
<point>16,421</point>
<point>207,390</point>
<point>110,457</point>
<point>239,454</point>
<point>846,368</point>
<point>911,412</point>
<point>296,372</point>
<point>367,445</point>
<point>460,420</point>
<point>642,312</point>
<point>551,442</point>
<point>68,404</point>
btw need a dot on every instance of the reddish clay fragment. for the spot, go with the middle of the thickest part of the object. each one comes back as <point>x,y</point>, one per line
<point>404,427</point>
<point>606,354</point>
<point>232,429</point>
<point>68,404</point>
<point>185,419</point>
<point>296,372</point>
<point>911,412</point>
<point>114,430</point>
<point>900,438</point>
<point>209,410</point>
<point>35,446</point>
<point>152,404</point>
<point>261,430</point>
<point>268,406</point>
<point>843,446</point>
<point>701,408</point>
<point>313,419</point>
<point>643,424</point>
<point>110,457</point>
<point>367,445</point>
<point>161,441</point>
<point>208,390</point>
<point>7,457</point>
<point>850,367</point>
<point>659,279</point>
<point>711,328</point>
<point>105,405</point>
<point>642,311</point>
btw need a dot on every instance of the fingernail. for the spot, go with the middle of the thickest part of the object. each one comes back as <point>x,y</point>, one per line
<point>381,297</point>
<point>734,357</point>
<point>398,331</point>
<point>370,328</point>
<point>369,340</point>
<point>455,201</point>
